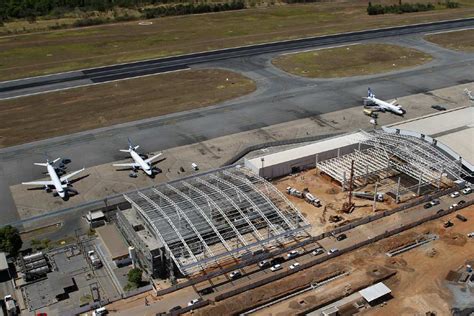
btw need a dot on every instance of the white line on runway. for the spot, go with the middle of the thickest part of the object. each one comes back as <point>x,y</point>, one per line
<point>450,31</point>
<point>90,84</point>
<point>320,48</point>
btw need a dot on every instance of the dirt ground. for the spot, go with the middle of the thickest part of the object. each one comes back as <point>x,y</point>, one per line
<point>460,40</point>
<point>353,60</point>
<point>69,111</point>
<point>420,283</point>
<point>64,50</point>
<point>331,196</point>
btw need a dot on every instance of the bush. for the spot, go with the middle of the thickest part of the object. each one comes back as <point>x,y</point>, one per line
<point>135,277</point>
<point>10,240</point>
<point>90,22</point>
<point>191,8</point>
<point>398,9</point>
<point>452,5</point>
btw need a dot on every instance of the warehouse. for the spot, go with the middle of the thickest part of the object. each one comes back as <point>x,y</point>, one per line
<point>304,157</point>
<point>207,220</point>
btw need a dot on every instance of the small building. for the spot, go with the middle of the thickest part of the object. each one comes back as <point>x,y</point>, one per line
<point>332,311</point>
<point>115,244</point>
<point>376,293</point>
<point>95,219</point>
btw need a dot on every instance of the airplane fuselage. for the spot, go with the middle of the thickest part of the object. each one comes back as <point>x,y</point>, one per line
<point>139,160</point>
<point>387,106</point>
<point>56,181</point>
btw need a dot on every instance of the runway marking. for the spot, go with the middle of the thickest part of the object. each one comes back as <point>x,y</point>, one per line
<point>450,31</point>
<point>320,48</point>
<point>90,84</point>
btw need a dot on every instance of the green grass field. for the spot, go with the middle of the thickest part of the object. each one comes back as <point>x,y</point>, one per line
<point>63,50</point>
<point>353,60</point>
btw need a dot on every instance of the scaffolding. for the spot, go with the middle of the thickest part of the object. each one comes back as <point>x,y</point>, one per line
<point>217,216</point>
<point>385,154</point>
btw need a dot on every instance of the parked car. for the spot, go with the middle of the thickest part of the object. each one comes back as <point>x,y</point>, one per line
<point>277,260</point>
<point>466,191</point>
<point>341,237</point>
<point>438,107</point>
<point>453,206</point>
<point>194,301</point>
<point>317,251</point>
<point>207,290</point>
<point>440,211</point>
<point>176,308</point>
<point>276,267</point>
<point>235,274</point>
<point>294,265</point>
<point>427,205</point>
<point>461,218</point>
<point>332,250</point>
<point>455,194</point>
<point>292,254</point>
<point>434,202</point>
<point>264,264</point>
<point>100,311</point>
<point>470,235</point>
<point>461,202</point>
<point>94,258</point>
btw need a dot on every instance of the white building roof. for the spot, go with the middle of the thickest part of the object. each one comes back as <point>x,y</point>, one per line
<point>311,149</point>
<point>92,216</point>
<point>453,128</point>
<point>3,261</point>
<point>374,292</point>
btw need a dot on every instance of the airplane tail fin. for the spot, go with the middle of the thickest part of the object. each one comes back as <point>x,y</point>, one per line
<point>130,145</point>
<point>370,94</point>
<point>40,164</point>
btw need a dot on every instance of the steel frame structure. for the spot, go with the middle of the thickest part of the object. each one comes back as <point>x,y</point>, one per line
<point>385,151</point>
<point>217,216</point>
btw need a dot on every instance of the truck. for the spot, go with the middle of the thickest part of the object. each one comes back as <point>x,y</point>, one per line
<point>311,199</point>
<point>10,305</point>
<point>94,259</point>
<point>294,192</point>
<point>369,195</point>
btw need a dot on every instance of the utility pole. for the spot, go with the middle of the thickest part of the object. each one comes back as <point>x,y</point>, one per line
<point>375,198</point>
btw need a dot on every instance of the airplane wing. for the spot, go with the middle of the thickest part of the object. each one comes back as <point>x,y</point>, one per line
<point>131,164</point>
<point>38,183</point>
<point>394,102</point>
<point>72,174</point>
<point>152,158</point>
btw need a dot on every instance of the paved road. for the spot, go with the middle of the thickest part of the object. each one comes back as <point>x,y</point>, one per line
<point>279,98</point>
<point>253,273</point>
<point>16,88</point>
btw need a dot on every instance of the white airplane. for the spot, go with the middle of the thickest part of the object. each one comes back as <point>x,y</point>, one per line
<point>469,94</point>
<point>60,184</point>
<point>138,161</point>
<point>383,106</point>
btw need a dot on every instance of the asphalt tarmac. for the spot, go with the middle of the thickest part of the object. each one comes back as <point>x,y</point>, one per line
<point>34,85</point>
<point>279,98</point>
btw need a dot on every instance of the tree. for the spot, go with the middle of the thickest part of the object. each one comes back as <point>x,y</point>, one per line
<point>135,276</point>
<point>10,240</point>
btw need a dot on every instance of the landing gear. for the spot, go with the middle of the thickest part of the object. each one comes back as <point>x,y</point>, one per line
<point>133,174</point>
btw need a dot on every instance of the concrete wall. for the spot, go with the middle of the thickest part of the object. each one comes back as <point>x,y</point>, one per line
<point>306,162</point>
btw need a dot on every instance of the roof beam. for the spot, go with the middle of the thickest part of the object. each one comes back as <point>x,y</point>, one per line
<point>170,222</point>
<point>202,213</point>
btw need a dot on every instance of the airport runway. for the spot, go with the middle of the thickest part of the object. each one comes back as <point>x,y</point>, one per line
<point>279,98</point>
<point>34,85</point>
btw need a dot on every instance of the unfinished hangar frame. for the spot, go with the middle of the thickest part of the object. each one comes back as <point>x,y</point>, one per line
<point>216,217</point>
<point>384,153</point>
